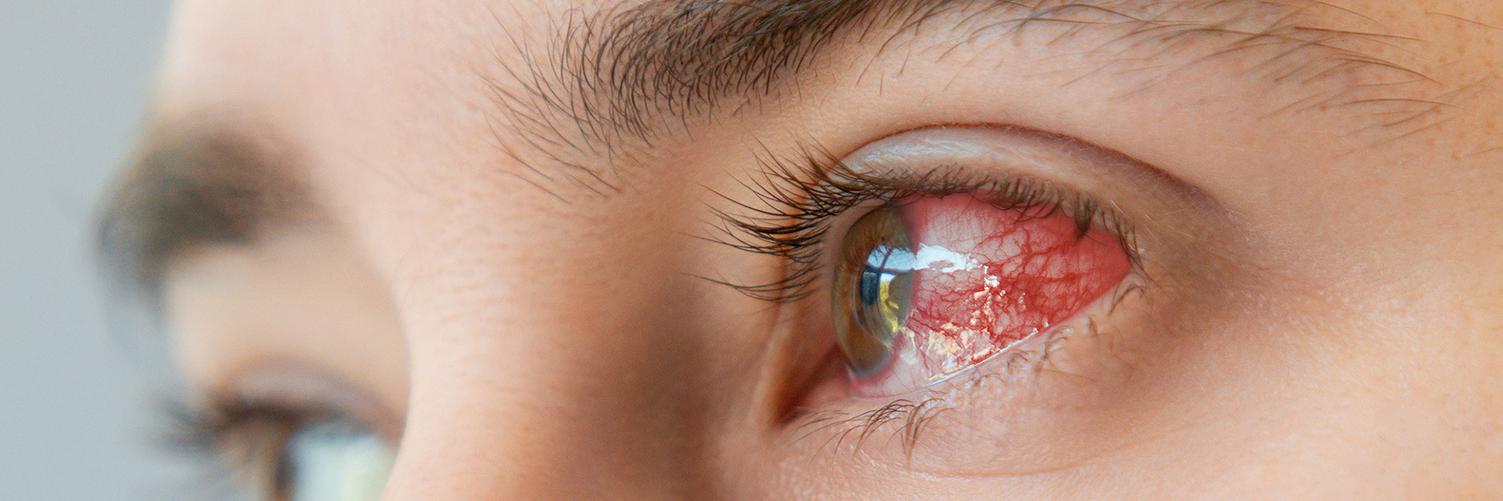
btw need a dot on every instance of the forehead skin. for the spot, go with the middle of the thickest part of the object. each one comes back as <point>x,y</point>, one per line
<point>381,96</point>
<point>393,109</point>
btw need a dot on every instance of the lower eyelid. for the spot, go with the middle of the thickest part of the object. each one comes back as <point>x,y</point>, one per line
<point>996,418</point>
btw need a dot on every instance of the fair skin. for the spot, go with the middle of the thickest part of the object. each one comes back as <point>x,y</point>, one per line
<point>518,299</point>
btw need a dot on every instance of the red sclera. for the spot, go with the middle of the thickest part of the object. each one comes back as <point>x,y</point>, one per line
<point>987,277</point>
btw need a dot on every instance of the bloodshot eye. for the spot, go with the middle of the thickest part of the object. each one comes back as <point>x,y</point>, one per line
<point>928,286</point>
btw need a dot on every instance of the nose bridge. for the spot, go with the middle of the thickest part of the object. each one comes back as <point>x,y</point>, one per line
<point>575,381</point>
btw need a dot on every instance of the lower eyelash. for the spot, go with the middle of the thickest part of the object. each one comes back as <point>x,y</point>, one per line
<point>913,415</point>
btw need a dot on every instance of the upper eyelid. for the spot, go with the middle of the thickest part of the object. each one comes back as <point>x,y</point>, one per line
<point>1069,156</point>
<point>792,229</point>
<point>615,78</point>
<point>311,391</point>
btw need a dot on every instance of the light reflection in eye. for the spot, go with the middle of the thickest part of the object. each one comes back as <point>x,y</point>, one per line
<point>872,307</point>
<point>930,286</point>
<point>335,461</point>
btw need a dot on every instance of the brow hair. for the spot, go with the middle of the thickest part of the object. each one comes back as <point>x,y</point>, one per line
<point>612,83</point>
<point>191,186</point>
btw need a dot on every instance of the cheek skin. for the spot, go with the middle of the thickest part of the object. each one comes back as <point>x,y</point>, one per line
<point>989,277</point>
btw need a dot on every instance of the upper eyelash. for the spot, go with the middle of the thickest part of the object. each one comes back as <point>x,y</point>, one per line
<point>198,429</point>
<point>217,434</point>
<point>797,199</point>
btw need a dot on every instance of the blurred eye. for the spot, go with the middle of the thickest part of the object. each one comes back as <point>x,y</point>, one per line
<point>928,286</point>
<point>285,453</point>
<point>334,461</point>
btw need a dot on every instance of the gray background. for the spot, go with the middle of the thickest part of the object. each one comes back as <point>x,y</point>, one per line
<point>77,413</point>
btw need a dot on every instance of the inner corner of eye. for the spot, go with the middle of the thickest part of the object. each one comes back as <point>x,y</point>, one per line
<point>936,284</point>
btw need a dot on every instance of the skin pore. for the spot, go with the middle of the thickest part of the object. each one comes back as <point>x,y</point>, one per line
<point>495,233</point>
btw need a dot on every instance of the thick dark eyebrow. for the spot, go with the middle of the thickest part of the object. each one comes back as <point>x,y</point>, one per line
<point>193,185</point>
<point>614,82</point>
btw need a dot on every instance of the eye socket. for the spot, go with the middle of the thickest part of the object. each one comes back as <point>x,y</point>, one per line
<point>928,286</point>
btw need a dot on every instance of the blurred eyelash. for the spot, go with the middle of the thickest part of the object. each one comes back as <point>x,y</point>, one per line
<point>797,199</point>
<point>240,442</point>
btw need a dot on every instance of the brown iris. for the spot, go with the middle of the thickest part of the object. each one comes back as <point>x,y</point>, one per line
<point>873,282</point>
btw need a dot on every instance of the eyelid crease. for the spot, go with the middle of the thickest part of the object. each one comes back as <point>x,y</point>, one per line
<point>294,384</point>
<point>610,84</point>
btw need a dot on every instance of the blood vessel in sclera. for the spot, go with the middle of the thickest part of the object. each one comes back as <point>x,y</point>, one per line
<point>987,277</point>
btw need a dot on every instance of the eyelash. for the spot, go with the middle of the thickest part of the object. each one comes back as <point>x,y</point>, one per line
<point>797,202</point>
<point>801,197</point>
<point>913,415</point>
<point>243,438</point>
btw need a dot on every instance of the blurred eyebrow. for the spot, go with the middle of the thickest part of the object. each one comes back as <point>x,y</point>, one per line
<point>625,77</point>
<point>193,185</point>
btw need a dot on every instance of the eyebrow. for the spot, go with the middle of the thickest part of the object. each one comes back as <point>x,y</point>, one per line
<point>615,82</point>
<point>193,185</point>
